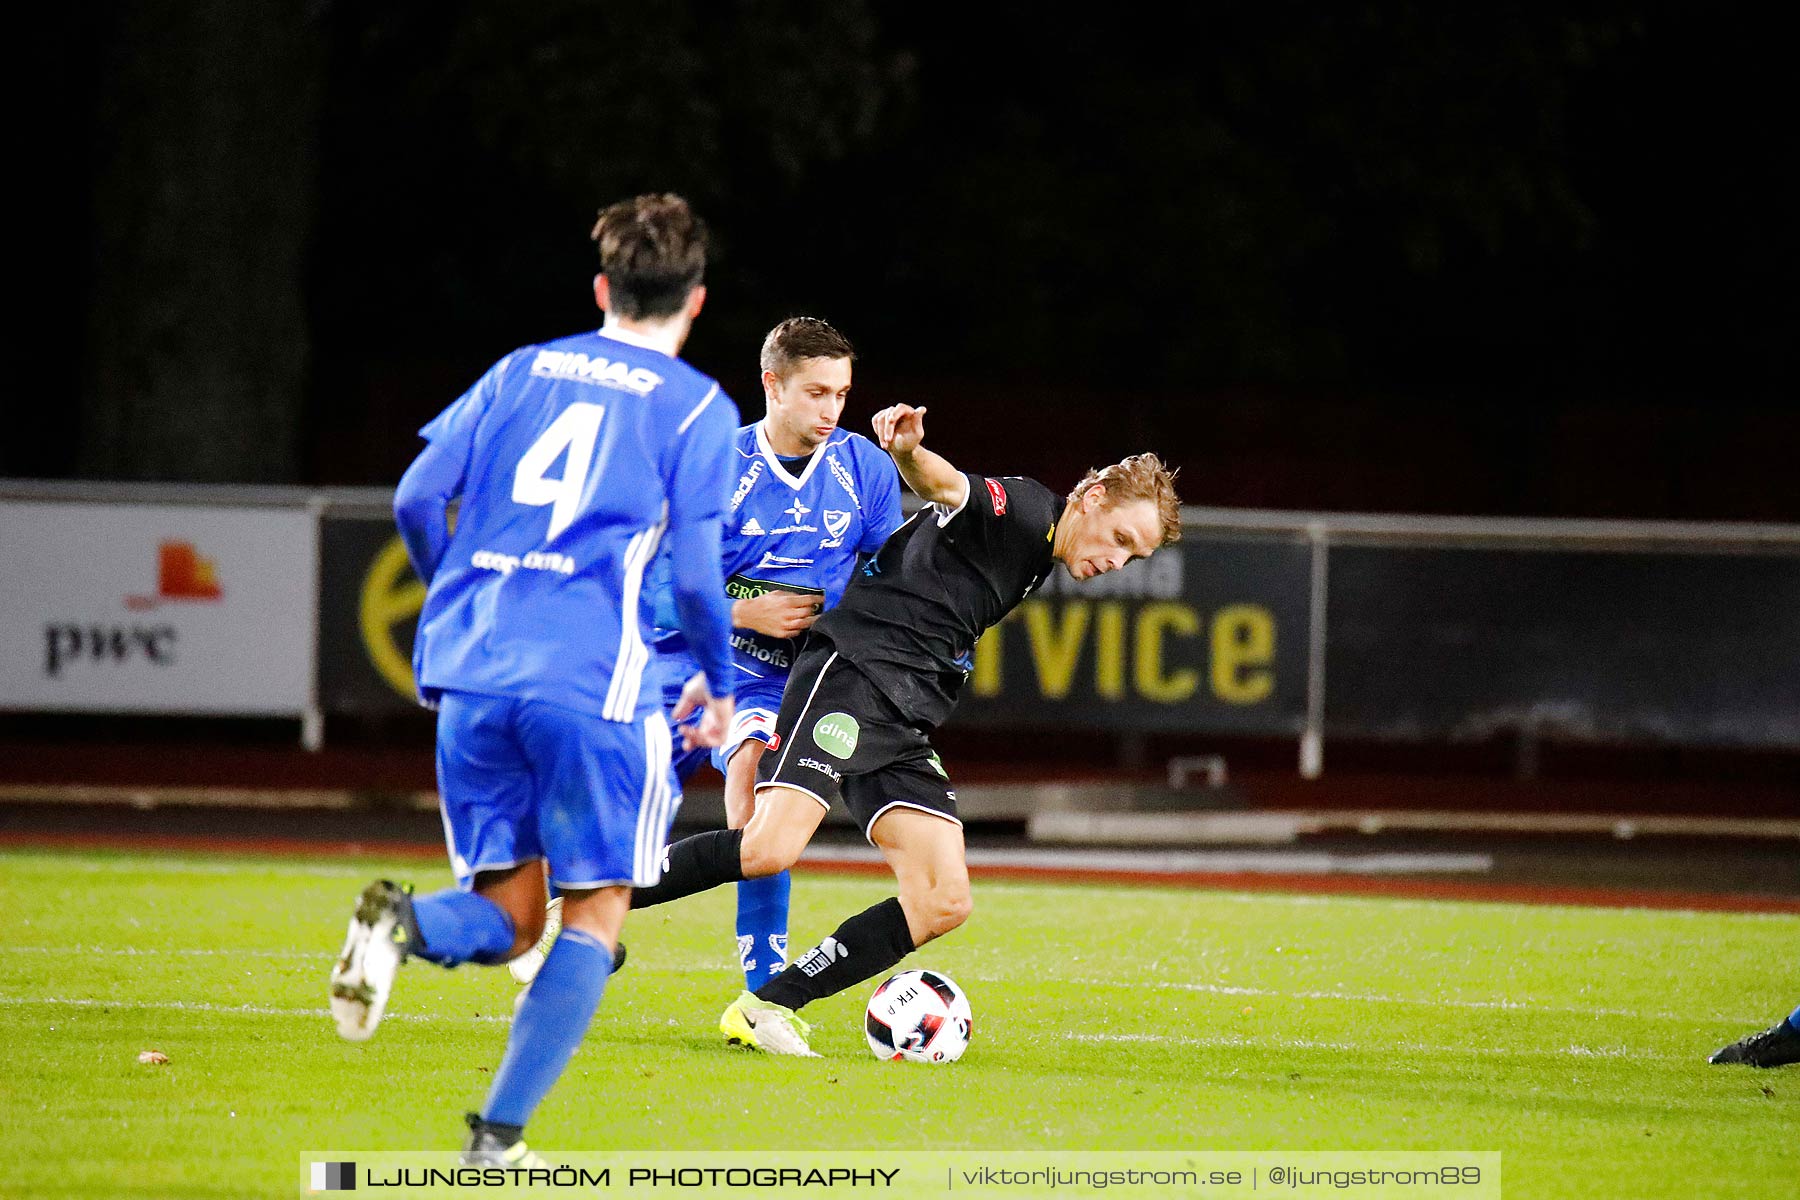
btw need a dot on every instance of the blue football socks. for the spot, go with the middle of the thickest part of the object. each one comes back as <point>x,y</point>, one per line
<point>459,927</point>
<point>762,921</point>
<point>550,1023</point>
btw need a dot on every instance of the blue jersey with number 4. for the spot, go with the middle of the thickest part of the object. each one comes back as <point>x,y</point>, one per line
<point>799,531</point>
<point>575,460</point>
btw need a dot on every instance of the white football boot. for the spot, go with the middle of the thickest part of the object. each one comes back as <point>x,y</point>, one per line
<point>382,931</point>
<point>748,1021</point>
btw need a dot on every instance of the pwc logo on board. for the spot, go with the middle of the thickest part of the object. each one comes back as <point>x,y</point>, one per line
<point>182,576</point>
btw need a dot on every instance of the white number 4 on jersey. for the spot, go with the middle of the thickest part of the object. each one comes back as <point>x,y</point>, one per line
<point>576,430</point>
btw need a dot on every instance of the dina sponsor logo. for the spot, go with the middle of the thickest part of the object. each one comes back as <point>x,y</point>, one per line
<point>836,734</point>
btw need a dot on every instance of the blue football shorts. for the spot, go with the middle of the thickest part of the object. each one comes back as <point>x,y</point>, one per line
<point>522,780</point>
<point>758,701</point>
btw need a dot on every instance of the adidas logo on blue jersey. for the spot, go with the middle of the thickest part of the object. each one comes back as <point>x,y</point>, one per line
<point>751,528</point>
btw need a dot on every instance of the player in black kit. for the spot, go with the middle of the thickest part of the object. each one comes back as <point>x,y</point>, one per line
<point>878,674</point>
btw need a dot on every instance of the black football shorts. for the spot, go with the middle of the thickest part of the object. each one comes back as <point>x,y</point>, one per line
<point>839,736</point>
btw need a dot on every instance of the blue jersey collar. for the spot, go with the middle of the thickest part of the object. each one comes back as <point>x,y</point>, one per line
<point>768,452</point>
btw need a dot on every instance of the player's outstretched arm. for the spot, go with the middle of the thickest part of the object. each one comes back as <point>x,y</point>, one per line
<point>900,430</point>
<point>422,505</point>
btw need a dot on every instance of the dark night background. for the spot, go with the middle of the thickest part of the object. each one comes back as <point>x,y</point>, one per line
<point>1389,256</point>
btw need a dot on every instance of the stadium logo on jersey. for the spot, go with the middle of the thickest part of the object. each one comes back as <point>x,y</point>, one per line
<point>843,478</point>
<point>752,528</point>
<point>813,764</point>
<point>579,368</point>
<point>998,495</point>
<point>837,734</point>
<point>745,483</point>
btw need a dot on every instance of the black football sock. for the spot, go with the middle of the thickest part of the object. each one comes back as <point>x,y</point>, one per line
<point>695,864</point>
<point>864,946</point>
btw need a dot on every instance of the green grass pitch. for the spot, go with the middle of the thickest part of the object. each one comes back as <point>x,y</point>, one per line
<point>1572,1040</point>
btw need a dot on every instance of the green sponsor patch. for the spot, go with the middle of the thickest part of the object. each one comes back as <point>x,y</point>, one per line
<point>836,734</point>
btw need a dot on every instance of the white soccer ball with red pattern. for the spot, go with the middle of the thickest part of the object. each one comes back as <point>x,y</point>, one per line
<point>918,1016</point>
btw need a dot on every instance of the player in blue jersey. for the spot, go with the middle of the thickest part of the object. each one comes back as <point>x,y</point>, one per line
<point>808,499</point>
<point>573,460</point>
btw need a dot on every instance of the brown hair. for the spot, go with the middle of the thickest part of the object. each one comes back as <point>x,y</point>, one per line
<point>1140,477</point>
<point>799,338</point>
<point>652,252</point>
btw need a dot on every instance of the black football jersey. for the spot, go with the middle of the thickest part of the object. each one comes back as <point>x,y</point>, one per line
<point>910,618</point>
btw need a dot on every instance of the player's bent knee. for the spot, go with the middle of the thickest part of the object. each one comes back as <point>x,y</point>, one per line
<point>946,909</point>
<point>760,859</point>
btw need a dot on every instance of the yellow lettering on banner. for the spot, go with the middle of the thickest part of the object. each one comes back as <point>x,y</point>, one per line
<point>1243,646</point>
<point>1109,644</point>
<point>1055,648</point>
<point>1154,620</point>
<point>985,679</point>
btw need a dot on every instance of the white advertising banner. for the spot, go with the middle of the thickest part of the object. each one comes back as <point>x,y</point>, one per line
<point>156,608</point>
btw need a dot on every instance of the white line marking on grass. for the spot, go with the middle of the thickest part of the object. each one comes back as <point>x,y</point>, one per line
<point>128,864</point>
<point>1221,989</point>
<point>1529,1006</point>
<point>188,952</point>
<point>1230,1041</point>
<point>725,968</point>
<point>258,1010</point>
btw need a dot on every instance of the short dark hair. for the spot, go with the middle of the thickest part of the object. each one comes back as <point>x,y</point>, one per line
<point>802,337</point>
<point>652,252</point>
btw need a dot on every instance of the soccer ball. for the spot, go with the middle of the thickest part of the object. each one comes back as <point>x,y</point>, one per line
<point>919,1016</point>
